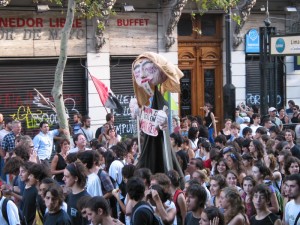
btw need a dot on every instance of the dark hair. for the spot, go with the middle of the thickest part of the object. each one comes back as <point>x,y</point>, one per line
<point>213,212</point>
<point>274,129</point>
<point>290,131</point>
<point>221,180</point>
<point>262,189</point>
<point>294,177</point>
<point>246,130</point>
<point>81,203</point>
<point>259,148</point>
<point>120,149</point>
<point>128,171</point>
<point>196,190</point>
<point>199,163</point>
<point>289,162</point>
<point>58,150</point>
<point>192,133</point>
<point>162,195</point>
<point>39,171</point>
<point>7,120</point>
<point>247,157</point>
<point>71,157</point>
<point>255,115</point>
<point>234,199</point>
<point>218,162</point>
<point>174,178</point>
<point>85,118</point>
<point>77,169</point>
<point>98,202</point>
<point>76,136</point>
<point>12,165</point>
<point>177,138</point>
<point>42,123</point>
<point>261,130</point>
<point>249,178</point>
<point>263,170</point>
<point>109,116</point>
<point>87,157</point>
<point>206,145</point>
<point>57,192</point>
<point>22,152</point>
<point>221,139</point>
<point>135,188</point>
<point>143,173</point>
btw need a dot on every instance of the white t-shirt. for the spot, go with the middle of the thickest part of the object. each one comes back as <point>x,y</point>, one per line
<point>291,212</point>
<point>115,171</point>
<point>170,205</point>
<point>254,128</point>
<point>12,213</point>
<point>93,186</point>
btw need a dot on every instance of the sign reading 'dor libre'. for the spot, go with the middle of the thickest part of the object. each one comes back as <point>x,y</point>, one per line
<point>285,45</point>
<point>132,33</point>
<point>27,33</point>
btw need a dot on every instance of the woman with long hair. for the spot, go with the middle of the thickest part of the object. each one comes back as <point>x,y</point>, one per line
<point>247,160</point>
<point>233,205</point>
<point>291,165</point>
<point>193,138</point>
<point>232,180</point>
<point>248,184</point>
<point>221,167</point>
<point>212,216</point>
<point>282,158</point>
<point>113,138</point>
<point>210,122</point>
<point>257,151</point>
<point>58,163</point>
<point>226,130</point>
<point>234,163</point>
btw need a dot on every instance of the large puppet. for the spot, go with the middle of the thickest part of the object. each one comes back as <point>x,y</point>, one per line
<point>153,75</point>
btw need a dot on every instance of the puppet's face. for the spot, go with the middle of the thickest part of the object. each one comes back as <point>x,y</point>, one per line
<point>146,73</point>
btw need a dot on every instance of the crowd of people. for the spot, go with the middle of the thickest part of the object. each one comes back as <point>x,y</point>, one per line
<point>245,173</point>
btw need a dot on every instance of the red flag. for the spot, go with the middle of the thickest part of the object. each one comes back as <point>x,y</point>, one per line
<point>107,97</point>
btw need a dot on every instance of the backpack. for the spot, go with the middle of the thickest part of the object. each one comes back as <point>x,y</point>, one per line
<point>156,219</point>
<point>5,216</point>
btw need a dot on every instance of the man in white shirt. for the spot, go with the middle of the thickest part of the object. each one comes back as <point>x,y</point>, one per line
<point>256,122</point>
<point>43,141</point>
<point>292,208</point>
<point>12,213</point>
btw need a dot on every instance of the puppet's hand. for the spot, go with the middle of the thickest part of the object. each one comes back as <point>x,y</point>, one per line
<point>162,120</point>
<point>134,108</point>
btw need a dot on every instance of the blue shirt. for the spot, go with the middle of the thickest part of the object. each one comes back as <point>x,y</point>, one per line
<point>8,143</point>
<point>43,144</point>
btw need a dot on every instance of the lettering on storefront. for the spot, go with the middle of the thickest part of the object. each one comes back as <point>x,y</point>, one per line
<point>29,34</point>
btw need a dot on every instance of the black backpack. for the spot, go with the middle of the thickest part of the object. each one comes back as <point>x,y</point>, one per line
<point>156,219</point>
<point>5,216</point>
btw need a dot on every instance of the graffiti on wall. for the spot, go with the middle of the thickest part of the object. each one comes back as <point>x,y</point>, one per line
<point>41,109</point>
<point>254,99</point>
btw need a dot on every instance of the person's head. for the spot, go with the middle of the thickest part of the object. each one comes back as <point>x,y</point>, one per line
<point>75,175</point>
<point>234,161</point>
<point>209,214</point>
<point>64,146</point>
<point>195,197</point>
<point>247,133</point>
<point>260,171</point>
<point>291,165</point>
<point>256,118</point>
<point>86,120</point>
<point>120,150</point>
<point>77,118</point>
<point>8,123</point>
<point>38,172</point>
<point>237,112</point>
<point>24,174</point>
<point>16,127</point>
<point>79,140</point>
<point>12,165</point>
<point>194,164</point>
<point>193,133</point>
<point>234,129</point>
<point>256,149</point>
<point>293,185</point>
<point>176,140</point>
<point>261,197</point>
<point>228,123</point>
<point>174,178</point>
<point>247,184</point>
<point>267,123</point>
<point>87,158</point>
<point>54,198</point>
<point>231,178</point>
<point>44,127</point>
<point>97,208</point>
<point>220,141</point>
<point>291,104</point>
<point>110,118</point>
<point>162,194</point>
<point>274,131</point>
<point>289,135</point>
<point>111,132</point>
<point>44,185</point>
<point>145,174</point>
<point>135,188</point>
<point>247,160</point>
<point>127,172</point>
<point>217,183</point>
<point>259,132</point>
<point>162,180</point>
<point>134,146</point>
<point>272,111</point>
<point>221,166</point>
<point>200,176</point>
<point>231,201</point>
<point>175,122</point>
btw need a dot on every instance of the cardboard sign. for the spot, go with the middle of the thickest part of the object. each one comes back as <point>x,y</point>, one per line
<point>148,121</point>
